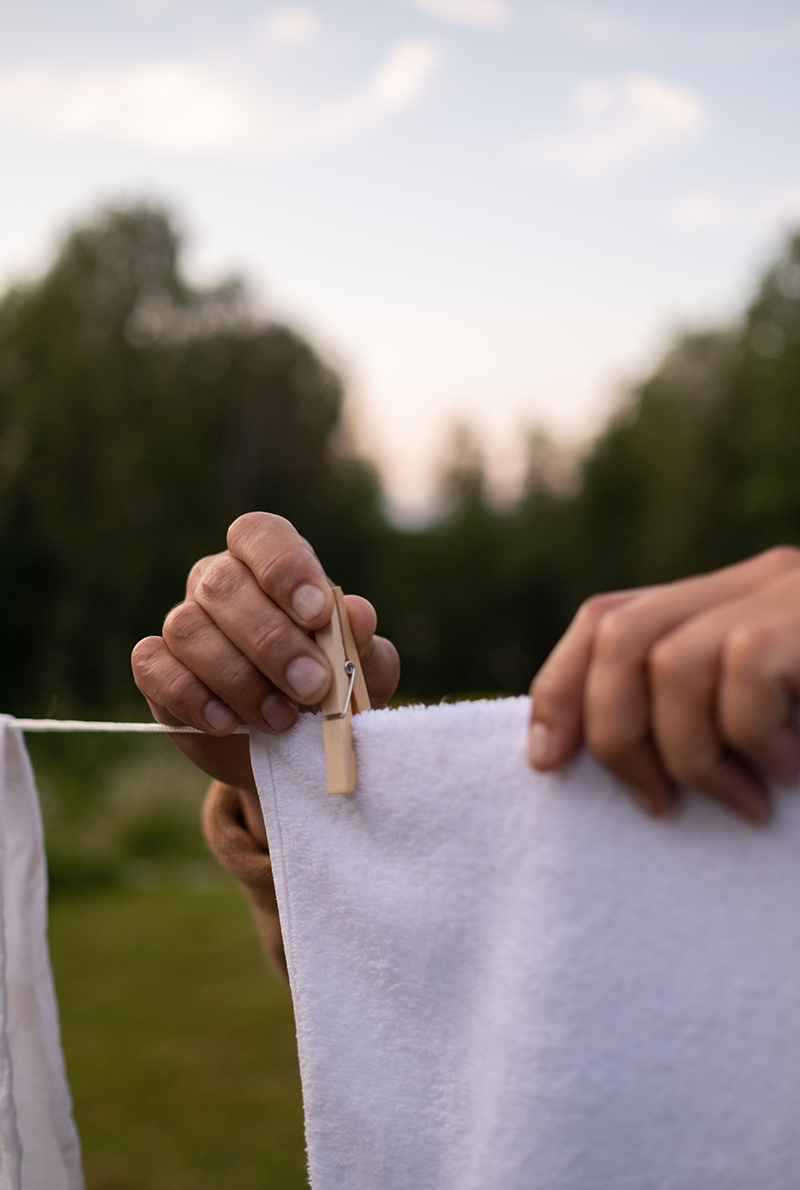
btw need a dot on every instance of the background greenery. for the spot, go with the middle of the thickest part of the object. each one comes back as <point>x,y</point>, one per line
<point>179,1043</point>
<point>179,1040</point>
<point>139,415</point>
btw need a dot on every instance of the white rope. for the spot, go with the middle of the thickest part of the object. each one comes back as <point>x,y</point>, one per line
<point>86,725</point>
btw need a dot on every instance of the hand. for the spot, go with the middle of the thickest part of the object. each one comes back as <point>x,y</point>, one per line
<point>694,683</point>
<point>238,648</point>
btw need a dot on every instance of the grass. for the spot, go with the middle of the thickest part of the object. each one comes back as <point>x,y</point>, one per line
<point>179,1041</point>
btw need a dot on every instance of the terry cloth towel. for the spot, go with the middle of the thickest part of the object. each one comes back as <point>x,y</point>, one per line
<point>39,1148</point>
<point>508,981</point>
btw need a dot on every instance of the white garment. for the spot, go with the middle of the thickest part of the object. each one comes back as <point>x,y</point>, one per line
<point>39,1148</point>
<point>508,981</point>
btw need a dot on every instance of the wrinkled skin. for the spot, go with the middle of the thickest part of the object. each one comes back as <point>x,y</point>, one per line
<point>694,682</point>
<point>238,649</point>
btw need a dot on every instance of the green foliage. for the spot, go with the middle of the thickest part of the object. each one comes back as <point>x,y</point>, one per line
<point>75,870</point>
<point>139,415</point>
<point>138,418</point>
<point>703,468</point>
<point>700,467</point>
<point>117,811</point>
<point>179,1042</point>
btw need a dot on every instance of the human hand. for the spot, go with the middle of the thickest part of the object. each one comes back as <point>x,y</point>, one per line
<point>238,648</point>
<point>694,683</point>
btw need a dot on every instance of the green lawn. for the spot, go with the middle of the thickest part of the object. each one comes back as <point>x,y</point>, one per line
<point>179,1041</point>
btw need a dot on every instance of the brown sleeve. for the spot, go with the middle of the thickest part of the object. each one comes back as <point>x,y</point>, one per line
<point>248,862</point>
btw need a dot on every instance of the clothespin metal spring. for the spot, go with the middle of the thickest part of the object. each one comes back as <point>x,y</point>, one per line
<point>350,670</point>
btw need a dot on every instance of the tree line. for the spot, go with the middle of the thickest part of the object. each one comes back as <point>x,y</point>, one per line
<point>139,415</point>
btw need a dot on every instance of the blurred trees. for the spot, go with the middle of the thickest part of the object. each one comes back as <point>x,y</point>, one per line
<point>703,465</point>
<point>139,415</point>
<point>700,467</point>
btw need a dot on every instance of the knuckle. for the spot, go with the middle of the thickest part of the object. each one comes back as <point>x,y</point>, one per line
<point>746,647</point>
<point>220,581</point>
<point>177,691</point>
<point>281,567</point>
<point>668,663</point>
<point>254,524</point>
<point>781,558</point>
<point>146,654</point>
<point>614,634</point>
<point>272,642</point>
<point>181,624</point>
<point>595,608</point>
<point>199,569</point>
<point>272,549</point>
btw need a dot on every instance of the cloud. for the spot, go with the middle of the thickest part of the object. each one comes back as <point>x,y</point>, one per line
<point>397,84</point>
<point>585,24</point>
<point>614,122</point>
<point>699,212</point>
<point>169,106</point>
<point>187,108</point>
<point>486,14</point>
<point>289,26</point>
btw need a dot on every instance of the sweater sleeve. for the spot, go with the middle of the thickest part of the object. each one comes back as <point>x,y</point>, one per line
<point>243,856</point>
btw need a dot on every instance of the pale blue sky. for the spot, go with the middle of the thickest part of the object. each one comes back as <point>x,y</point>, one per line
<point>486,209</point>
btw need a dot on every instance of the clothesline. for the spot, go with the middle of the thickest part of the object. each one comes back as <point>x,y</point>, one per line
<point>87,725</point>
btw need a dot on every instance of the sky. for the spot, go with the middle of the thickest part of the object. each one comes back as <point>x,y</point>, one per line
<point>495,212</point>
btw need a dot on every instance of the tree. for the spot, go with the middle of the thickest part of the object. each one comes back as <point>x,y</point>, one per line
<point>138,417</point>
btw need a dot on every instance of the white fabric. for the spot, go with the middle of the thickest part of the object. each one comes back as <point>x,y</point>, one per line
<point>506,981</point>
<point>39,1147</point>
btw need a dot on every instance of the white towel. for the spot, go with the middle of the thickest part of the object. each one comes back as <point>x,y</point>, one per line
<point>507,981</point>
<point>39,1147</point>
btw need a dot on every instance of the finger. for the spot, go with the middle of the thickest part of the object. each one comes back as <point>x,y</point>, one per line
<point>196,641</point>
<point>614,641</point>
<point>616,632</point>
<point>758,693</point>
<point>379,658</point>
<point>684,669</point>
<point>176,695</point>
<point>617,732</point>
<point>557,691</point>
<point>381,665</point>
<point>186,701</point>
<point>284,565</point>
<point>229,593</point>
<point>363,619</point>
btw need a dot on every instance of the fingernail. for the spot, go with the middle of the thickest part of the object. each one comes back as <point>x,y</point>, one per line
<point>305,676</point>
<point>540,741</point>
<point>219,715</point>
<point>308,602</point>
<point>278,712</point>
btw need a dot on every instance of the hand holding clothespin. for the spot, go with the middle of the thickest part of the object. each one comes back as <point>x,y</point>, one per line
<point>346,697</point>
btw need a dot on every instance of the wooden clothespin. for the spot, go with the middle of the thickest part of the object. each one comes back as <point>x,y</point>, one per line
<point>347,697</point>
